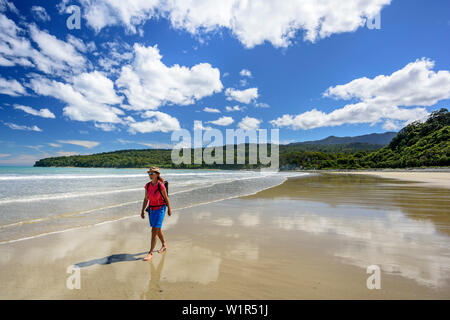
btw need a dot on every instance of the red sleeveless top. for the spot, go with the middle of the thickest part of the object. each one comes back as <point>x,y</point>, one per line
<point>155,198</point>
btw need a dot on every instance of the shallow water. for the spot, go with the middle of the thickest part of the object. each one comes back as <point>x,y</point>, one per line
<point>36,201</point>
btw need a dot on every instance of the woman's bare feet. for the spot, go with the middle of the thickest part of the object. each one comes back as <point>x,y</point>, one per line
<point>163,248</point>
<point>148,257</point>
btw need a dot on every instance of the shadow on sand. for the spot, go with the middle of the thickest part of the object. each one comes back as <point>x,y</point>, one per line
<point>111,259</point>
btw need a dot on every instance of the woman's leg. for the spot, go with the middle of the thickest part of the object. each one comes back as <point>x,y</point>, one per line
<point>163,241</point>
<point>154,239</point>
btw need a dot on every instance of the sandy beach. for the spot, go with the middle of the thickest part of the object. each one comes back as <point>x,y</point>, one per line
<point>309,238</point>
<point>428,178</point>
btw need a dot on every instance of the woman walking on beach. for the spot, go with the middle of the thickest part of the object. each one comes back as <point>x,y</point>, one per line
<point>156,196</point>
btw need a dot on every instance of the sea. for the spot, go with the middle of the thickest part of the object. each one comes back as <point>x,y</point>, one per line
<point>35,201</point>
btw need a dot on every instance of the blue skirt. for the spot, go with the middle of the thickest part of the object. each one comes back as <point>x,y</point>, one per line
<point>156,217</point>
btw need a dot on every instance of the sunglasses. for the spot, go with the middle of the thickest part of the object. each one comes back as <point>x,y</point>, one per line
<point>152,173</point>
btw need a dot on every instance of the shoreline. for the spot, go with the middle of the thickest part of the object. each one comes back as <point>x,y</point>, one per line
<point>439,179</point>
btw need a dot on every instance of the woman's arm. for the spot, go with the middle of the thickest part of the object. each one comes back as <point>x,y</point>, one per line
<point>166,198</point>
<point>144,205</point>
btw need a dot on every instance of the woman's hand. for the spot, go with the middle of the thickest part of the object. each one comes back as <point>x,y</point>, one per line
<point>169,212</point>
<point>142,215</point>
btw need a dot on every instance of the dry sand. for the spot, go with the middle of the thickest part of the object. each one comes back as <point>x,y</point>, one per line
<point>310,238</point>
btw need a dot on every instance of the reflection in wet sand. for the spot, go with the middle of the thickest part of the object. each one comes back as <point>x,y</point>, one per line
<point>369,192</point>
<point>402,229</point>
<point>155,290</point>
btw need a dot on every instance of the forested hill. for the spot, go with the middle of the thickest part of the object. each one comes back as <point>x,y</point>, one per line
<point>416,145</point>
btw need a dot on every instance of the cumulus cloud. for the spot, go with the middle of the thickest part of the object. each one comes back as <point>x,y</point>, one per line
<point>253,22</point>
<point>211,110</point>
<point>44,113</point>
<point>148,83</point>
<point>382,98</point>
<point>90,97</point>
<point>158,121</point>
<point>245,73</point>
<point>249,123</point>
<point>222,121</point>
<point>243,96</point>
<point>233,108</point>
<point>198,125</point>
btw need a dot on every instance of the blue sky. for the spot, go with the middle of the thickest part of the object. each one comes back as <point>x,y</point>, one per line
<point>132,74</point>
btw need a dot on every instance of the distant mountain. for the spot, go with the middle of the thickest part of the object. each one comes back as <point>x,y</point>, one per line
<point>373,138</point>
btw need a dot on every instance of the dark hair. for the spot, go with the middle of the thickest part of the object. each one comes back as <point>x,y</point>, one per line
<point>160,178</point>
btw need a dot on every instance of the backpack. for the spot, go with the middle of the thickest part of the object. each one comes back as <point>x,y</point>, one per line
<point>166,184</point>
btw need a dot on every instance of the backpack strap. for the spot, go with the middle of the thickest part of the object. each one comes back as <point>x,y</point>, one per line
<point>159,189</point>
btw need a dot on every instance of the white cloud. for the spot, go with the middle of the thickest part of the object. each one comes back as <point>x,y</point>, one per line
<point>159,121</point>
<point>248,123</point>
<point>198,125</point>
<point>20,127</point>
<point>222,121</point>
<point>253,22</point>
<point>54,145</point>
<point>96,87</point>
<point>80,45</point>
<point>381,99</point>
<point>243,82</point>
<point>245,73</point>
<point>14,49</point>
<point>391,125</point>
<point>11,87</point>
<point>40,13</point>
<point>105,126</point>
<point>115,54</point>
<point>62,55</point>
<point>211,110</point>
<point>55,57</point>
<point>414,85</point>
<point>82,143</point>
<point>44,113</point>
<point>148,83</point>
<point>89,98</point>
<point>6,5</point>
<point>103,13</point>
<point>262,105</point>
<point>277,22</point>
<point>243,96</point>
<point>233,108</point>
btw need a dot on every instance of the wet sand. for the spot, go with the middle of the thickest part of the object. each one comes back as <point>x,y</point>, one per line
<point>428,178</point>
<point>309,238</point>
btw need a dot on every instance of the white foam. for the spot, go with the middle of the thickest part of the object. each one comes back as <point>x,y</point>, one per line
<point>132,216</point>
